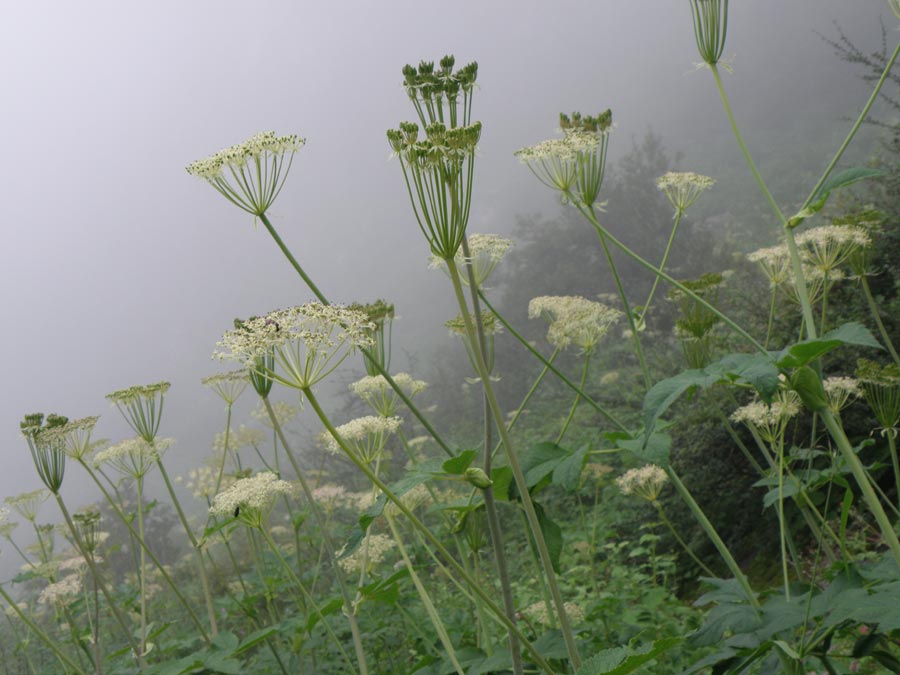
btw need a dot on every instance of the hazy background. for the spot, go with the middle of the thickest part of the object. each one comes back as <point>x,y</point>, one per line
<point>117,268</point>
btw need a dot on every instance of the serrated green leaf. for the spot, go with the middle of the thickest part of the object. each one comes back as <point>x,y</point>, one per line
<point>625,660</point>
<point>255,638</point>
<point>457,465</point>
<point>656,449</point>
<point>503,479</point>
<point>843,179</point>
<point>568,472</point>
<point>552,536</point>
<point>801,353</point>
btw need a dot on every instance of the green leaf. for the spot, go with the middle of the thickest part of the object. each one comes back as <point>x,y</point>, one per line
<point>654,450</point>
<point>801,353</point>
<point>332,606</point>
<point>255,638</point>
<point>458,465</point>
<point>226,641</point>
<point>624,660</point>
<point>568,472</point>
<point>503,478</point>
<point>842,179</point>
<point>552,536</point>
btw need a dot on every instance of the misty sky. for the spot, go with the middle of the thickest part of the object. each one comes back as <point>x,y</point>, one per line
<point>117,268</point>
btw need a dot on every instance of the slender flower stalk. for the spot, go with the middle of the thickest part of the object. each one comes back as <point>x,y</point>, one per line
<point>429,537</point>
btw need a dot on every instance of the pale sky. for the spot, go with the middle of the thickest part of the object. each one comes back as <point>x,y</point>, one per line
<point>117,268</point>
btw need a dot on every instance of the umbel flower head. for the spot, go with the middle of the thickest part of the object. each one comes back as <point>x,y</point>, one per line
<point>574,320</point>
<point>47,448</point>
<point>142,407</point>
<point>306,342</point>
<point>710,26</point>
<point>682,189</point>
<point>250,499</point>
<point>365,435</point>
<point>228,386</point>
<point>250,174</point>
<point>881,388</point>
<point>573,165</point>
<point>440,94</point>
<point>133,457</point>
<point>828,246</point>
<point>485,251</point>
<point>27,504</point>
<point>646,482</point>
<point>375,390</point>
<point>770,420</point>
<point>381,315</point>
<point>438,171</point>
<point>492,327</point>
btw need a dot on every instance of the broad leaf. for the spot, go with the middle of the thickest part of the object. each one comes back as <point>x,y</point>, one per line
<point>458,465</point>
<point>800,354</point>
<point>624,660</point>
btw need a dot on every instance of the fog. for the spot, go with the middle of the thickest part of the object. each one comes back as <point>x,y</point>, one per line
<point>118,268</point>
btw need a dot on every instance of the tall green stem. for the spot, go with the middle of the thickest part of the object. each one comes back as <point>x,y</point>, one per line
<point>876,314</point>
<point>204,582</point>
<point>548,364</point>
<point>322,524</point>
<point>584,372</point>
<point>165,575</point>
<point>490,506</point>
<point>427,534</point>
<point>518,475</point>
<point>426,598</point>
<point>662,265</point>
<point>713,536</point>
<point>681,542</point>
<point>42,636</point>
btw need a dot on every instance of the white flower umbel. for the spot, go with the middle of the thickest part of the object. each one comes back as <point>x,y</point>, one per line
<point>682,189</point>
<point>134,457</point>
<point>841,391</point>
<point>142,407</point>
<point>376,547</point>
<point>75,436</point>
<point>769,419</point>
<point>574,320</point>
<point>646,482</point>
<point>228,386</point>
<point>26,504</point>
<point>61,591</point>
<point>828,246</point>
<point>250,174</point>
<point>775,263</point>
<point>308,341</point>
<point>485,251</point>
<point>380,396</point>
<point>250,499</point>
<point>366,436</point>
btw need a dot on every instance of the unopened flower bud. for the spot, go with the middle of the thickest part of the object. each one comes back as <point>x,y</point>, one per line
<point>807,383</point>
<point>478,478</point>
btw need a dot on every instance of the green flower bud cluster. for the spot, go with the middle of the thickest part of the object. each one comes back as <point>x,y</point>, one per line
<point>594,124</point>
<point>436,93</point>
<point>381,317</point>
<point>710,27</point>
<point>47,448</point>
<point>438,171</point>
<point>881,388</point>
<point>695,323</point>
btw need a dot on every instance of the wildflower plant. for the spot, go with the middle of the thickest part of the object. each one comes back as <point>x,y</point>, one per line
<point>307,342</point>
<point>142,407</point>
<point>574,320</point>
<point>381,317</point>
<point>366,436</point>
<point>250,500</point>
<point>250,174</point>
<point>47,448</point>
<point>485,252</point>
<point>378,394</point>
<point>710,28</point>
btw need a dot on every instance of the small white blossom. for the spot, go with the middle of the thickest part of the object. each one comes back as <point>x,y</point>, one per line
<point>683,188</point>
<point>134,457</point>
<point>366,435</point>
<point>646,482</point>
<point>840,391</point>
<point>828,246</point>
<point>62,590</point>
<point>574,320</point>
<point>374,547</point>
<point>250,498</point>
<point>308,341</point>
<point>769,419</point>
<point>375,390</point>
<point>485,251</point>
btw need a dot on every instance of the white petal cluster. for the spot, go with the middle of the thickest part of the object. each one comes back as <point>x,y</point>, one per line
<point>645,482</point>
<point>538,613</point>
<point>133,457</point>
<point>828,246</point>
<point>775,263</point>
<point>485,251</point>
<point>840,391</point>
<point>256,493</point>
<point>367,435</point>
<point>228,386</point>
<point>683,188</point>
<point>308,341</point>
<point>67,587</point>
<point>574,320</point>
<point>375,390</point>
<point>769,419</point>
<point>374,547</point>
<point>26,504</point>
<point>258,146</point>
